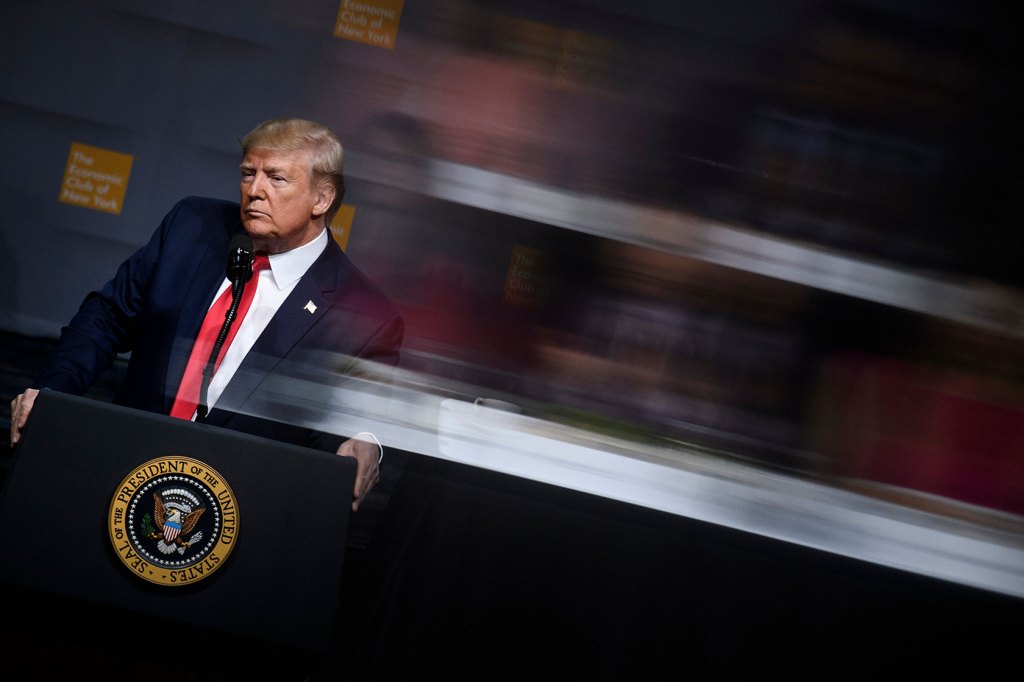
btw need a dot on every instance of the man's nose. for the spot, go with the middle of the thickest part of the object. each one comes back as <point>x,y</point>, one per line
<point>255,187</point>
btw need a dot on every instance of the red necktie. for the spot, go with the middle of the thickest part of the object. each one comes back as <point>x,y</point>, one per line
<point>187,400</point>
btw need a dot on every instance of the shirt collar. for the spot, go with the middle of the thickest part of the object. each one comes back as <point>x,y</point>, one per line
<point>289,266</point>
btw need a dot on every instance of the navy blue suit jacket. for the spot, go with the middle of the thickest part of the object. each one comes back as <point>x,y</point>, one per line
<point>154,305</point>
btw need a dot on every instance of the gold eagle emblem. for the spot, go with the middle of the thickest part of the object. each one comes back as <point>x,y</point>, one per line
<point>175,513</point>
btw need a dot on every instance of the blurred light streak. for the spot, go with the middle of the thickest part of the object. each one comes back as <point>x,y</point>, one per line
<point>429,417</point>
<point>986,305</point>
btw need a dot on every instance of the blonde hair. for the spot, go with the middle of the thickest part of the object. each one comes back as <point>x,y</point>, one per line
<point>296,134</point>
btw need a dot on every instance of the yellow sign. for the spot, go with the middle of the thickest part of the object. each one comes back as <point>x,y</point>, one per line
<point>374,22</point>
<point>577,59</point>
<point>527,279</point>
<point>341,226</point>
<point>96,178</point>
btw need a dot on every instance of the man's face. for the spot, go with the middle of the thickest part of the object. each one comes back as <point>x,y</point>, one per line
<point>280,207</point>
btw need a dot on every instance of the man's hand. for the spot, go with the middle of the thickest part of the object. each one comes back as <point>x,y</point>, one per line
<point>367,456</point>
<point>20,408</point>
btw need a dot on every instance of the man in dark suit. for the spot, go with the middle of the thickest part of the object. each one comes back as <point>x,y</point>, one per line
<point>313,313</point>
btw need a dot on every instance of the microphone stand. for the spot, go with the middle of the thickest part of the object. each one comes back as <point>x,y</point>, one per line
<point>202,410</point>
<point>237,285</point>
<point>239,271</point>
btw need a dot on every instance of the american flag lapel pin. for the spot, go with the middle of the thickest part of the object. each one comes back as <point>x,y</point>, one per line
<point>310,307</point>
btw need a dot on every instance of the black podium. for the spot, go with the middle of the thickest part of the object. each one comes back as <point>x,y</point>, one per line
<point>275,515</point>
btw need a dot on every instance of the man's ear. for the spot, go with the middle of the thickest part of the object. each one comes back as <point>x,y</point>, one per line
<point>324,199</point>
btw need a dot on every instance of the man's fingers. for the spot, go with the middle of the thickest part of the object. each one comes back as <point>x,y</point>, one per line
<point>367,467</point>
<point>364,484</point>
<point>20,409</point>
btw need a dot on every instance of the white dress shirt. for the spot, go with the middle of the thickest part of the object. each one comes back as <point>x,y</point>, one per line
<point>275,283</point>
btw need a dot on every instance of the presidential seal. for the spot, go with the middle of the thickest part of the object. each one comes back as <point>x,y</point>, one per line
<point>173,521</point>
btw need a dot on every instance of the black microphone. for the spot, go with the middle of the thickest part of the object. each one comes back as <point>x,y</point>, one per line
<point>239,271</point>
<point>240,258</point>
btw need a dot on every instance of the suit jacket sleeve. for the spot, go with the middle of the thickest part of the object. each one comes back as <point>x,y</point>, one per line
<point>104,325</point>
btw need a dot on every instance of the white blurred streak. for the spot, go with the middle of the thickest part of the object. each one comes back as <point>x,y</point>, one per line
<point>418,415</point>
<point>987,305</point>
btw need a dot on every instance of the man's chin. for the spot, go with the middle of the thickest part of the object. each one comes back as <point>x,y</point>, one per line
<point>255,227</point>
<point>259,236</point>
